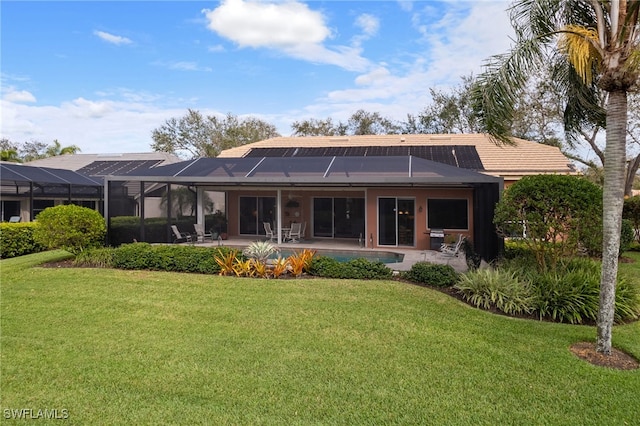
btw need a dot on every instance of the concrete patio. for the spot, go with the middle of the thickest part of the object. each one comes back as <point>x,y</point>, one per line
<point>411,256</point>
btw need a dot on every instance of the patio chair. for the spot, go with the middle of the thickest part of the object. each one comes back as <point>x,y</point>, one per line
<point>201,234</point>
<point>180,237</point>
<point>269,232</point>
<point>452,249</point>
<point>293,236</point>
<point>14,219</point>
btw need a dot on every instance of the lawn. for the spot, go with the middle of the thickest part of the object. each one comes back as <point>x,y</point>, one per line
<point>109,347</point>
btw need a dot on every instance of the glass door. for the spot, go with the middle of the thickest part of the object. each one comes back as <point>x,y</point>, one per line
<point>254,211</point>
<point>396,221</point>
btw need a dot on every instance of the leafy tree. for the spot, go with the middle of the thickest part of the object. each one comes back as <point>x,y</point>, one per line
<point>594,45</point>
<point>360,122</point>
<point>9,151</point>
<point>560,213</point>
<point>198,136</point>
<point>70,227</point>
<point>33,150</point>
<point>448,112</point>
<point>315,127</point>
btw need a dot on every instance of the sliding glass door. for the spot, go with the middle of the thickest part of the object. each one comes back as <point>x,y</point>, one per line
<point>254,211</point>
<point>396,221</point>
<point>338,217</point>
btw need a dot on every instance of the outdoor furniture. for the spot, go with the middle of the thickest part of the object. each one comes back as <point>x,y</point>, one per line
<point>269,231</point>
<point>452,249</point>
<point>293,235</point>
<point>180,237</point>
<point>14,219</point>
<point>201,235</point>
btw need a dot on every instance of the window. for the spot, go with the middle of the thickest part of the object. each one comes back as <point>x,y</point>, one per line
<point>447,213</point>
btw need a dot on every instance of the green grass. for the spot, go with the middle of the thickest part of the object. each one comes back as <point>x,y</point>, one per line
<point>139,347</point>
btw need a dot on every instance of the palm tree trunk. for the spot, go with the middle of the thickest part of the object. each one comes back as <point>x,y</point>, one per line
<point>613,199</point>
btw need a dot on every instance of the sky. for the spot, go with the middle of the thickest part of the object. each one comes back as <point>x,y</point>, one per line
<point>103,75</point>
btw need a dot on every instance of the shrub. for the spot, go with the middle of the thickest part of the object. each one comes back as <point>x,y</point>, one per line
<point>631,211</point>
<point>627,235</point>
<point>95,258</point>
<point>562,215</point>
<point>432,274</point>
<point>328,267</point>
<point>16,239</point>
<point>70,227</point>
<point>496,288</point>
<point>176,258</point>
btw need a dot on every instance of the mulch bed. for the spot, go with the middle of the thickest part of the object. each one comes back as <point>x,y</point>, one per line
<point>618,359</point>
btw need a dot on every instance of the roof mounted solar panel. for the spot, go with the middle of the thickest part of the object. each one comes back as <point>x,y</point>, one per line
<point>463,156</point>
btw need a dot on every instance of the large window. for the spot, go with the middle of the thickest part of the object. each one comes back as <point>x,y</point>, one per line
<point>447,213</point>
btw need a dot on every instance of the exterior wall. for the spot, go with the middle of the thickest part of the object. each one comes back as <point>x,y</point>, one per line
<point>422,236</point>
<point>304,212</point>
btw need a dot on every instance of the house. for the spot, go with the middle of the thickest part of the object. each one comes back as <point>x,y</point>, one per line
<point>380,191</point>
<point>29,188</point>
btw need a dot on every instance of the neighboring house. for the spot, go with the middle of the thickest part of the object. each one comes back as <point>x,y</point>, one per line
<point>29,188</point>
<point>379,191</point>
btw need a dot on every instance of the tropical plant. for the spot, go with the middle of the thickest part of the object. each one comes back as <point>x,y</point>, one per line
<point>299,262</point>
<point>594,45</point>
<point>279,267</point>
<point>260,250</point>
<point>496,289</point>
<point>226,260</point>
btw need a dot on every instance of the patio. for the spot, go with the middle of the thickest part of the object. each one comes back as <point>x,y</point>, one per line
<point>411,256</point>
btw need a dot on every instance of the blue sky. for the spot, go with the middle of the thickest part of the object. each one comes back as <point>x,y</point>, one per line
<point>103,75</point>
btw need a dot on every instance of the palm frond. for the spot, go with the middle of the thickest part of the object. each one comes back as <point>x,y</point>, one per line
<point>498,88</point>
<point>579,44</point>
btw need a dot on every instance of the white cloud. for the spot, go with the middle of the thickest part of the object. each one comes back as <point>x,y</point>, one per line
<point>368,23</point>
<point>217,48</point>
<point>290,27</point>
<point>455,46</point>
<point>111,38</point>
<point>19,96</point>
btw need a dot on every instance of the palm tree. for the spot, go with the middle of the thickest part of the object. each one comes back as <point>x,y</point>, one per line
<point>56,149</point>
<point>595,45</point>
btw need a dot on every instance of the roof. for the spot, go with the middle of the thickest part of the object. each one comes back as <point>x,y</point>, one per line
<point>309,171</point>
<point>19,174</point>
<point>522,158</point>
<point>79,161</point>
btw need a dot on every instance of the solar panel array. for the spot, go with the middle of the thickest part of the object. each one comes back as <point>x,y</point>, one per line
<point>104,168</point>
<point>463,156</point>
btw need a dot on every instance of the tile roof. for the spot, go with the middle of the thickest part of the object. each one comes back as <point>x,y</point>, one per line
<point>510,161</point>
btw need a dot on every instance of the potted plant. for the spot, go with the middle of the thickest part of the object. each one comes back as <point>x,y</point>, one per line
<point>219,224</point>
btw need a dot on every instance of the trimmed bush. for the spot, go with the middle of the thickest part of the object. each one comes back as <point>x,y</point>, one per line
<point>562,215</point>
<point>70,227</point>
<point>431,274</point>
<point>496,289</point>
<point>16,239</point>
<point>175,258</point>
<point>326,267</point>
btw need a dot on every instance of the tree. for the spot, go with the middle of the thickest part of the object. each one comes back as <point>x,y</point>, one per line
<point>34,150</point>
<point>199,136</point>
<point>595,44</point>
<point>448,112</point>
<point>360,122</point>
<point>56,149</point>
